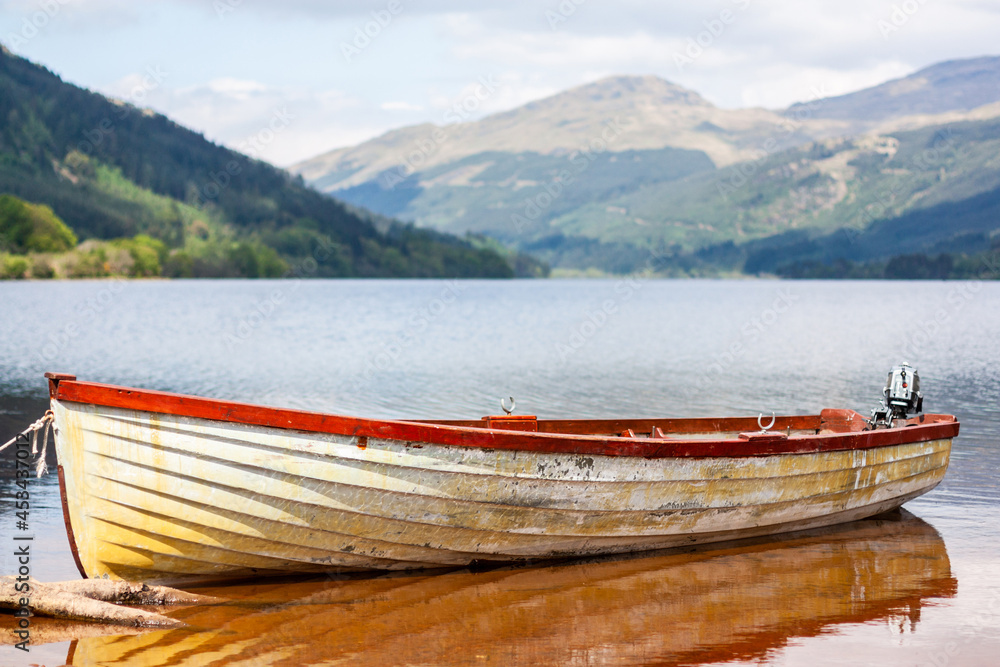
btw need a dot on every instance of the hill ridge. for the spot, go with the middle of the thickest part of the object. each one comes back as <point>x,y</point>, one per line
<point>100,165</point>
<point>687,175</point>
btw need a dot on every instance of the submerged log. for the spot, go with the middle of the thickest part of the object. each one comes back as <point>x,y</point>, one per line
<point>54,630</point>
<point>96,600</point>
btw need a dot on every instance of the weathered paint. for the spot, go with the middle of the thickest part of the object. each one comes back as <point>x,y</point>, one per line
<point>157,496</point>
<point>729,437</point>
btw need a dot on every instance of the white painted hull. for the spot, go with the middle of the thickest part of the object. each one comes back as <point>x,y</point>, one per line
<point>160,497</point>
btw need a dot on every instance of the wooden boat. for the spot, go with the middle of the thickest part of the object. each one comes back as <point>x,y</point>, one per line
<point>742,602</point>
<point>171,488</point>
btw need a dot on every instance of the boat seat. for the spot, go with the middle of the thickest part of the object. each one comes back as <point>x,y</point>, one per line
<point>512,422</point>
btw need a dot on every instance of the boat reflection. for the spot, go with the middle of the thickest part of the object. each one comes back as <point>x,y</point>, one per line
<point>707,605</point>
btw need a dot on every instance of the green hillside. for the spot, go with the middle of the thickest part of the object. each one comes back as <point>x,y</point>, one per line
<point>475,193</point>
<point>860,199</point>
<point>696,189</point>
<point>110,170</point>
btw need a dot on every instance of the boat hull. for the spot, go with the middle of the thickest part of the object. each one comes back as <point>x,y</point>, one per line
<point>154,496</point>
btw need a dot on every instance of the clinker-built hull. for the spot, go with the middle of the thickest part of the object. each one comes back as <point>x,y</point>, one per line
<point>165,487</point>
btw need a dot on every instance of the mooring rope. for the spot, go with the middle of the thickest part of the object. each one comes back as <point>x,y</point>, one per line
<point>44,424</point>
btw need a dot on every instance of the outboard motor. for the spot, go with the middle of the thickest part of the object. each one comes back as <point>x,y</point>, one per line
<point>900,397</point>
<point>902,391</point>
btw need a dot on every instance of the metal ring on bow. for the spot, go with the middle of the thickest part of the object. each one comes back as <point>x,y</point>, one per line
<point>760,417</point>
<point>503,405</point>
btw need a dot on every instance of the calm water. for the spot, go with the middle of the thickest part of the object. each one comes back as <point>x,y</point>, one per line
<point>920,589</point>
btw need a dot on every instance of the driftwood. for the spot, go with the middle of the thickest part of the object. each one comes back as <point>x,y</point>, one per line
<point>96,600</point>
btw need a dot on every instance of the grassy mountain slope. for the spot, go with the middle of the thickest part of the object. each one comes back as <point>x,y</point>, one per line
<point>848,183</point>
<point>110,170</point>
<point>954,85</point>
<point>687,178</point>
<point>824,185</point>
<point>513,195</point>
<point>909,246</point>
<point>643,113</point>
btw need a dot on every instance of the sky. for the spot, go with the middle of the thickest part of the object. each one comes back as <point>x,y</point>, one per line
<point>293,79</point>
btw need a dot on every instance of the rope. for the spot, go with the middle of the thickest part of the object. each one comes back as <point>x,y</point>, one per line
<point>44,424</point>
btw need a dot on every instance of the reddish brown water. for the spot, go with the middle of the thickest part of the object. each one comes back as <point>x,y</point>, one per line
<point>743,602</point>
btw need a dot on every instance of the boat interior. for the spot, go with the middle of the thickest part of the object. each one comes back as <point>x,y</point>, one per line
<point>827,422</point>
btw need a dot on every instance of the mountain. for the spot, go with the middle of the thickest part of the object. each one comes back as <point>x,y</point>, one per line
<point>817,210</point>
<point>675,175</point>
<point>509,175</point>
<point>110,170</point>
<point>848,183</point>
<point>954,85</point>
<point>636,113</point>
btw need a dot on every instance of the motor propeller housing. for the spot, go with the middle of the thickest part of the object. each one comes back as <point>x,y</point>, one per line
<point>900,397</point>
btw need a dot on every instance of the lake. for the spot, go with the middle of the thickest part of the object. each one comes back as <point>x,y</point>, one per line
<point>921,587</point>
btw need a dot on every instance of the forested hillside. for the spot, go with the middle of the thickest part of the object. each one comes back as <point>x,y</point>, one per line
<point>110,170</point>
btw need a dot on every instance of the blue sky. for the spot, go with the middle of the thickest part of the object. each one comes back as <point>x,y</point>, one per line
<point>228,68</point>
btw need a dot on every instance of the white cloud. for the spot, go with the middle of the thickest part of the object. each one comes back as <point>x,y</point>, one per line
<point>236,112</point>
<point>232,74</point>
<point>93,12</point>
<point>544,50</point>
<point>239,89</point>
<point>400,106</point>
<point>748,52</point>
<point>780,85</point>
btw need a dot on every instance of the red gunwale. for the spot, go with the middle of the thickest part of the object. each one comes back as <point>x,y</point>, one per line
<point>551,437</point>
